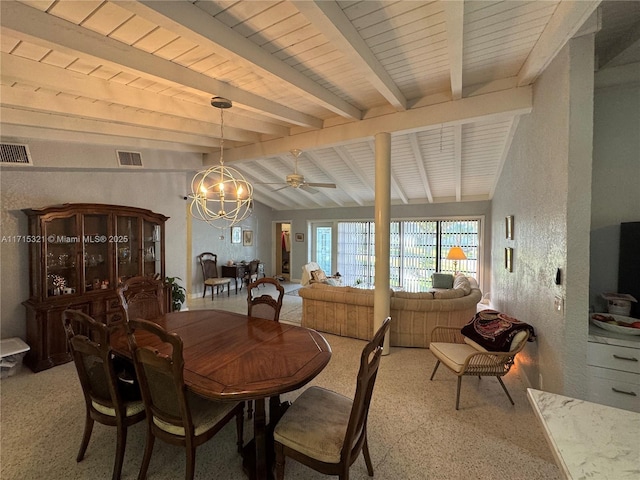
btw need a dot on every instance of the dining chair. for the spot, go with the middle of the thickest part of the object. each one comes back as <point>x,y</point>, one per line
<point>209,265</point>
<point>108,399</point>
<point>251,273</point>
<point>264,306</point>
<point>327,431</point>
<point>174,414</point>
<point>142,297</point>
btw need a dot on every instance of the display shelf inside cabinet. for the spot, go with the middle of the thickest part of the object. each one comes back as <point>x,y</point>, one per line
<point>86,251</point>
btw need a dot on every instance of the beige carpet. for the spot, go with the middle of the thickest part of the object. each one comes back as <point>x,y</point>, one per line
<point>414,430</point>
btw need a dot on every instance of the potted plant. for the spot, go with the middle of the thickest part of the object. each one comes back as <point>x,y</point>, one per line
<point>177,293</point>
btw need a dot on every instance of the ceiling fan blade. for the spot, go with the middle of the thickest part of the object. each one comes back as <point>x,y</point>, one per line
<point>308,189</point>
<point>322,185</point>
<point>281,188</point>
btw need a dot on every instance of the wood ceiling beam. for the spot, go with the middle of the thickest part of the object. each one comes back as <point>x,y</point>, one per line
<point>328,17</point>
<point>80,127</point>
<point>488,107</point>
<point>417,154</point>
<point>189,21</point>
<point>30,72</point>
<point>565,22</point>
<point>47,30</point>
<point>74,107</point>
<point>454,19</point>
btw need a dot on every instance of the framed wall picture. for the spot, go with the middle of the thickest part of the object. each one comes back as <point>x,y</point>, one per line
<point>247,238</point>
<point>508,227</point>
<point>299,237</point>
<point>508,259</point>
<point>236,234</point>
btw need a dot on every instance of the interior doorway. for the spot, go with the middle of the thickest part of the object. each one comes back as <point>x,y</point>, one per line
<point>282,242</point>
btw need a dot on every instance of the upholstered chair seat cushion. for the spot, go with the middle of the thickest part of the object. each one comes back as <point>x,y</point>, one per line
<point>453,355</point>
<point>131,408</point>
<point>217,281</point>
<point>316,424</point>
<point>204,414</point>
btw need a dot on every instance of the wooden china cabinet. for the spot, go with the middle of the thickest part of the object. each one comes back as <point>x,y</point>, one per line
<point>78,255</point>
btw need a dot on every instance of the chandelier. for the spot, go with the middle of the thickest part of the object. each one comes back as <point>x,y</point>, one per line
<point>220,195</point>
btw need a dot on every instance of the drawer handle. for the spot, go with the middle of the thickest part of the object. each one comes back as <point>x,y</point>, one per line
<point>633,394</point>
<point>631,359</point>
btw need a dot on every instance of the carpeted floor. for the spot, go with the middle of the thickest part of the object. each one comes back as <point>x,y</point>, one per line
<point>414,430</point>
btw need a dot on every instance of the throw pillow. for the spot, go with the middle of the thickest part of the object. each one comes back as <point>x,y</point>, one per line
<point>463,283</point>
<point>442,280</point>
<point>319,276</point>
<point>494,330</point>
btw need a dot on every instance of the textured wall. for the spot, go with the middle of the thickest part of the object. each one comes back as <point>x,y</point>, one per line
<point>616,182</point>
<point>545,184</point>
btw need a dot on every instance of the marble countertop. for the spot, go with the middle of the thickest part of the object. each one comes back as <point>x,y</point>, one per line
<point>589,440</point>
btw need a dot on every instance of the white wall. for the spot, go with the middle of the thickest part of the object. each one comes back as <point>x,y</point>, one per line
<point>205,238</point>
<point>23,187</point>
<point>616,179</point>
<point>545,185</point>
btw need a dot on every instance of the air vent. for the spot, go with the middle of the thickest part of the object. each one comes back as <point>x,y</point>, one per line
<point>129,159</point>
<point>15,154</point>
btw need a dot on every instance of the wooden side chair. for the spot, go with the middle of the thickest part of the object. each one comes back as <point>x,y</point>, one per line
<point>464,356</point>
<point>142,297</point>
<point>264,306</point>
<point>174,414</point>
<point>327,431</point>
<point>251,272</point>
<point>108,400</point>
<point>209,264</point>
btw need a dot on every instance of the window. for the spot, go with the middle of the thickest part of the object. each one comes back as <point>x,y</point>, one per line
<point>418,249</point>
<point>322,247</point>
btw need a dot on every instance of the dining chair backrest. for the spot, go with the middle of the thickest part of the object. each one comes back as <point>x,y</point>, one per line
<point>369,362</point>
<point>142,297</point>
<point>264,306</point>
<point>91,352</point>
<point>209,265</point>
<point>160,374</point>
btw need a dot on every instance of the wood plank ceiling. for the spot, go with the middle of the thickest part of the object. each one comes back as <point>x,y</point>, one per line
<point>448,79</point>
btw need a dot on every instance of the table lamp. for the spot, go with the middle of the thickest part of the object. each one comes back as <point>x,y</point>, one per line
<point>456,254</point>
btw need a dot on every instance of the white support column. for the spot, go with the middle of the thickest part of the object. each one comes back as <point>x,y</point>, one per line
<point>382,298</point>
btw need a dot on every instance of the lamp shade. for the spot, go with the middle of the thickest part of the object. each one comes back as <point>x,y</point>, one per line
<point>456,253</point>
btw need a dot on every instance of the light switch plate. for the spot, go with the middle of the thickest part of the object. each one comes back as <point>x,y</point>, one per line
<point>558,304</point>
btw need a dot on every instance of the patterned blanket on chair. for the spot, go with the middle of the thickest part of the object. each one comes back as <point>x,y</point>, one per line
<point>495,330</point>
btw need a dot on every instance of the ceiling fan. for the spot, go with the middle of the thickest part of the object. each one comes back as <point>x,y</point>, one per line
<point>297,180</point>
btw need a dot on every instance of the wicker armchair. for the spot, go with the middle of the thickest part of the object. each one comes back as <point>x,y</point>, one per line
<point>462,357</point>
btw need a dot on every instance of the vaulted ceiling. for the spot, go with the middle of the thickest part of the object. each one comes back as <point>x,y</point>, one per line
<point>449,80</point>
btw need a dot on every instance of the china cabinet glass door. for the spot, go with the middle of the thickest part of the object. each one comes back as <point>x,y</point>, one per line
<point>95,242</point>
<point>128,245</point>
<point>61,254</point>
<point>151,248</point>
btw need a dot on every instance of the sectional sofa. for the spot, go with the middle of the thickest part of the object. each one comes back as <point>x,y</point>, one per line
<point>348,311</point>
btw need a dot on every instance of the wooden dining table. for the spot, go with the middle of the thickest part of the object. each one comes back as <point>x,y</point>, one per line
<point>233,357</point>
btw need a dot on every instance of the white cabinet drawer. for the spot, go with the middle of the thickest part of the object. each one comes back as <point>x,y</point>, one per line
<point>614,388</point>
<point>613,356</point>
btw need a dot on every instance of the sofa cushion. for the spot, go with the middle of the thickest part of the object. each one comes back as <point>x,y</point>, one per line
<point>462,282</point>
<point>449,294</point>
<point>442,280</point>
